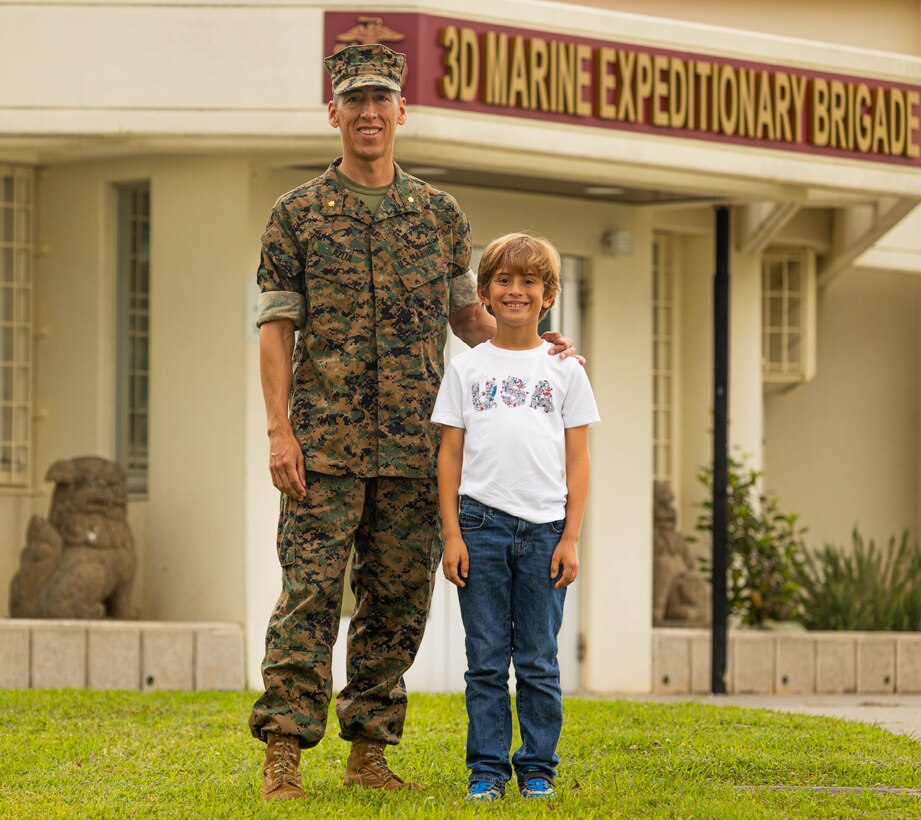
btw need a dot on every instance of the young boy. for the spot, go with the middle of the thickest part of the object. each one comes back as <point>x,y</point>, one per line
<point>512,481</point>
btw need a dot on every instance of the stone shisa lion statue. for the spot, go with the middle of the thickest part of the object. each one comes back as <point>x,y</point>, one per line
<point>79,562</point>
<point>680,596</point>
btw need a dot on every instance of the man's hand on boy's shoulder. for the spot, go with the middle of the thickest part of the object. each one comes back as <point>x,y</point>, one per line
<point>561,345</point>
<point>564,565</point>
<point>456,560</point>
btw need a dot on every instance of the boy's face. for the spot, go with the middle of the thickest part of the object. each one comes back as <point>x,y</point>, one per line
<point>516,299</point>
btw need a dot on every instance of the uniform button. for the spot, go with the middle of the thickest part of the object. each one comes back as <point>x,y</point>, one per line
<point>331,203</point>
<point>411,199</point>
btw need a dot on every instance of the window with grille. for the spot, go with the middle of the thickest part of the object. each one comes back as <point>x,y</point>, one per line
<point>566,313</point>
<point>133,343</point>
<point>663,358</point>
<point>788,317</point>
<point>16,238</point>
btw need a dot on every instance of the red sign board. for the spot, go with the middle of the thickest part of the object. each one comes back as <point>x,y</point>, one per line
<point>524,73</point>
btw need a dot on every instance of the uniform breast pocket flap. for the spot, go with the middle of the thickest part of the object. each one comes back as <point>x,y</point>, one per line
<point>341,270</point>
<point>331,301</point>
<point>421,267</point>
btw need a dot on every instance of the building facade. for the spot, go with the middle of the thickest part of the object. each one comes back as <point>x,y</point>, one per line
<point>142,145</point>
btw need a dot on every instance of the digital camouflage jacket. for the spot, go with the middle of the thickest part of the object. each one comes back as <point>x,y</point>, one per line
<point>370,295</point>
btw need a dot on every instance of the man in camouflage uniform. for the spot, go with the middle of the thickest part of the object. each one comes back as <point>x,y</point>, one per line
<point>369,264</point>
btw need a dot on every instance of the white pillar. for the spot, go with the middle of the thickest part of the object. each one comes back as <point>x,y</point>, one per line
<point>617,546</point>
<point>746,398</point>
<point>197,430</point>
<point>696,349</point>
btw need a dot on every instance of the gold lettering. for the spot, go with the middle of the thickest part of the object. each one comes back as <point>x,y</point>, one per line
<point>728,100</point>
<point>782,100</point>
<point>912,149</point>
<point>518,75</point>
<point>799,106</point>
<point>537,69</point>
<point>764,122</point>
<point>660,90</point>
<point>715,99</point>
<point>643,85</point>
<point>838,131</point>
<point>747,99</point>
<point>851,91</point>
<point>703,72</point>
<point>820,130</point>
<point>863,126</point>
<point>692,94</point>
<point>552,64</point>
<point>496,79</point>
<point>898,133</point>
<point>605,84</point>
<point>678,93</point>
<point>470,65</point>
<point>626,109</point>
<point>449,85</point>
<point>565,77</point>
<point>880,132</point>
<point>583,80</point>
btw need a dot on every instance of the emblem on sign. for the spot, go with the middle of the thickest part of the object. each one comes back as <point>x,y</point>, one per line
<point>368,30</point>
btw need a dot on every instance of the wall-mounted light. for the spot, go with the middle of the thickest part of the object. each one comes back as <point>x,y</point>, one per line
<point>617,243</point>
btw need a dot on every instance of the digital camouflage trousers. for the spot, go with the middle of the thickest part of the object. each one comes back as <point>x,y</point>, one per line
<point>394,526</point>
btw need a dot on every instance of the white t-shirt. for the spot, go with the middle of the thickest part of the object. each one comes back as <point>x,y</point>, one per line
<point>514,406</point>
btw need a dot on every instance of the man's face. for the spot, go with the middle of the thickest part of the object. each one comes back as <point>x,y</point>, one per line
<point>367,119</point>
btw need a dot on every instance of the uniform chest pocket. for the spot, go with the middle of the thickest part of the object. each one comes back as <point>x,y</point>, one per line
<point>334,303</point>
<point>426,285</point>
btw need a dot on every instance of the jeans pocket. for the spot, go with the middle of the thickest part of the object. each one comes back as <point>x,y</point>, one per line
<point>472,515</point>
<point>558,526</point>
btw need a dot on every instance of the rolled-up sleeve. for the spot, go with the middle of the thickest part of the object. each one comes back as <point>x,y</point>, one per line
<point>463,280</point>
<point>281,273</point>
<point>281,304</point>
<point>463,291</point>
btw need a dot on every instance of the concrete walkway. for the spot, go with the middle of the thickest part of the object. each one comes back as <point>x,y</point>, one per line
<point>900,714</point>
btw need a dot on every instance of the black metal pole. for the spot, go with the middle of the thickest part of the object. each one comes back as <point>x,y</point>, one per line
<point>720,451</point>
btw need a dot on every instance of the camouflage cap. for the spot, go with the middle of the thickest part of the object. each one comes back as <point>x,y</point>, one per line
<point>357,66</point>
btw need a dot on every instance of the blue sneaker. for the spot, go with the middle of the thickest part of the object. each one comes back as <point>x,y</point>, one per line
<point>483,791</point>
<point>537,787</point>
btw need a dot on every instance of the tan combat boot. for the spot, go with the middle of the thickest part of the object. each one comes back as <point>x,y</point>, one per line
<point>280,778</point>
<point>367,767</point>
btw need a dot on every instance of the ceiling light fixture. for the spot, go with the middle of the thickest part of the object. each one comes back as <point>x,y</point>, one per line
<point>603,190</point>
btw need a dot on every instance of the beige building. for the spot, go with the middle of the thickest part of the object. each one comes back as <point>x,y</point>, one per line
<point>143,142</point>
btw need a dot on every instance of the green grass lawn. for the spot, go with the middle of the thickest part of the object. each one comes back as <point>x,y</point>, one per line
<point>127,754</point>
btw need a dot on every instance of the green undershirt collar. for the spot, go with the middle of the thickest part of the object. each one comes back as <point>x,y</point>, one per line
<point>372,197</point>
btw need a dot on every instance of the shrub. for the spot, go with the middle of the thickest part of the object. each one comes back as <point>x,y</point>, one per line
<point>866,589</point>
<point>765,546</point>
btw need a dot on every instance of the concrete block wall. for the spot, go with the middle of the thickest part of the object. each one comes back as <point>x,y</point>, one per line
<point>137,655</point>
<point>787,663</point>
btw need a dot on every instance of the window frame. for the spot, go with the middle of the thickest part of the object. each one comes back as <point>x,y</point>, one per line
<point>17,256</point>
<point>788,317</point>
<point>666,382</point>
<point>132,327</point>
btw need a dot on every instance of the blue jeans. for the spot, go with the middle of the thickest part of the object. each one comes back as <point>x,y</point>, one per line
<point>511,612</point>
